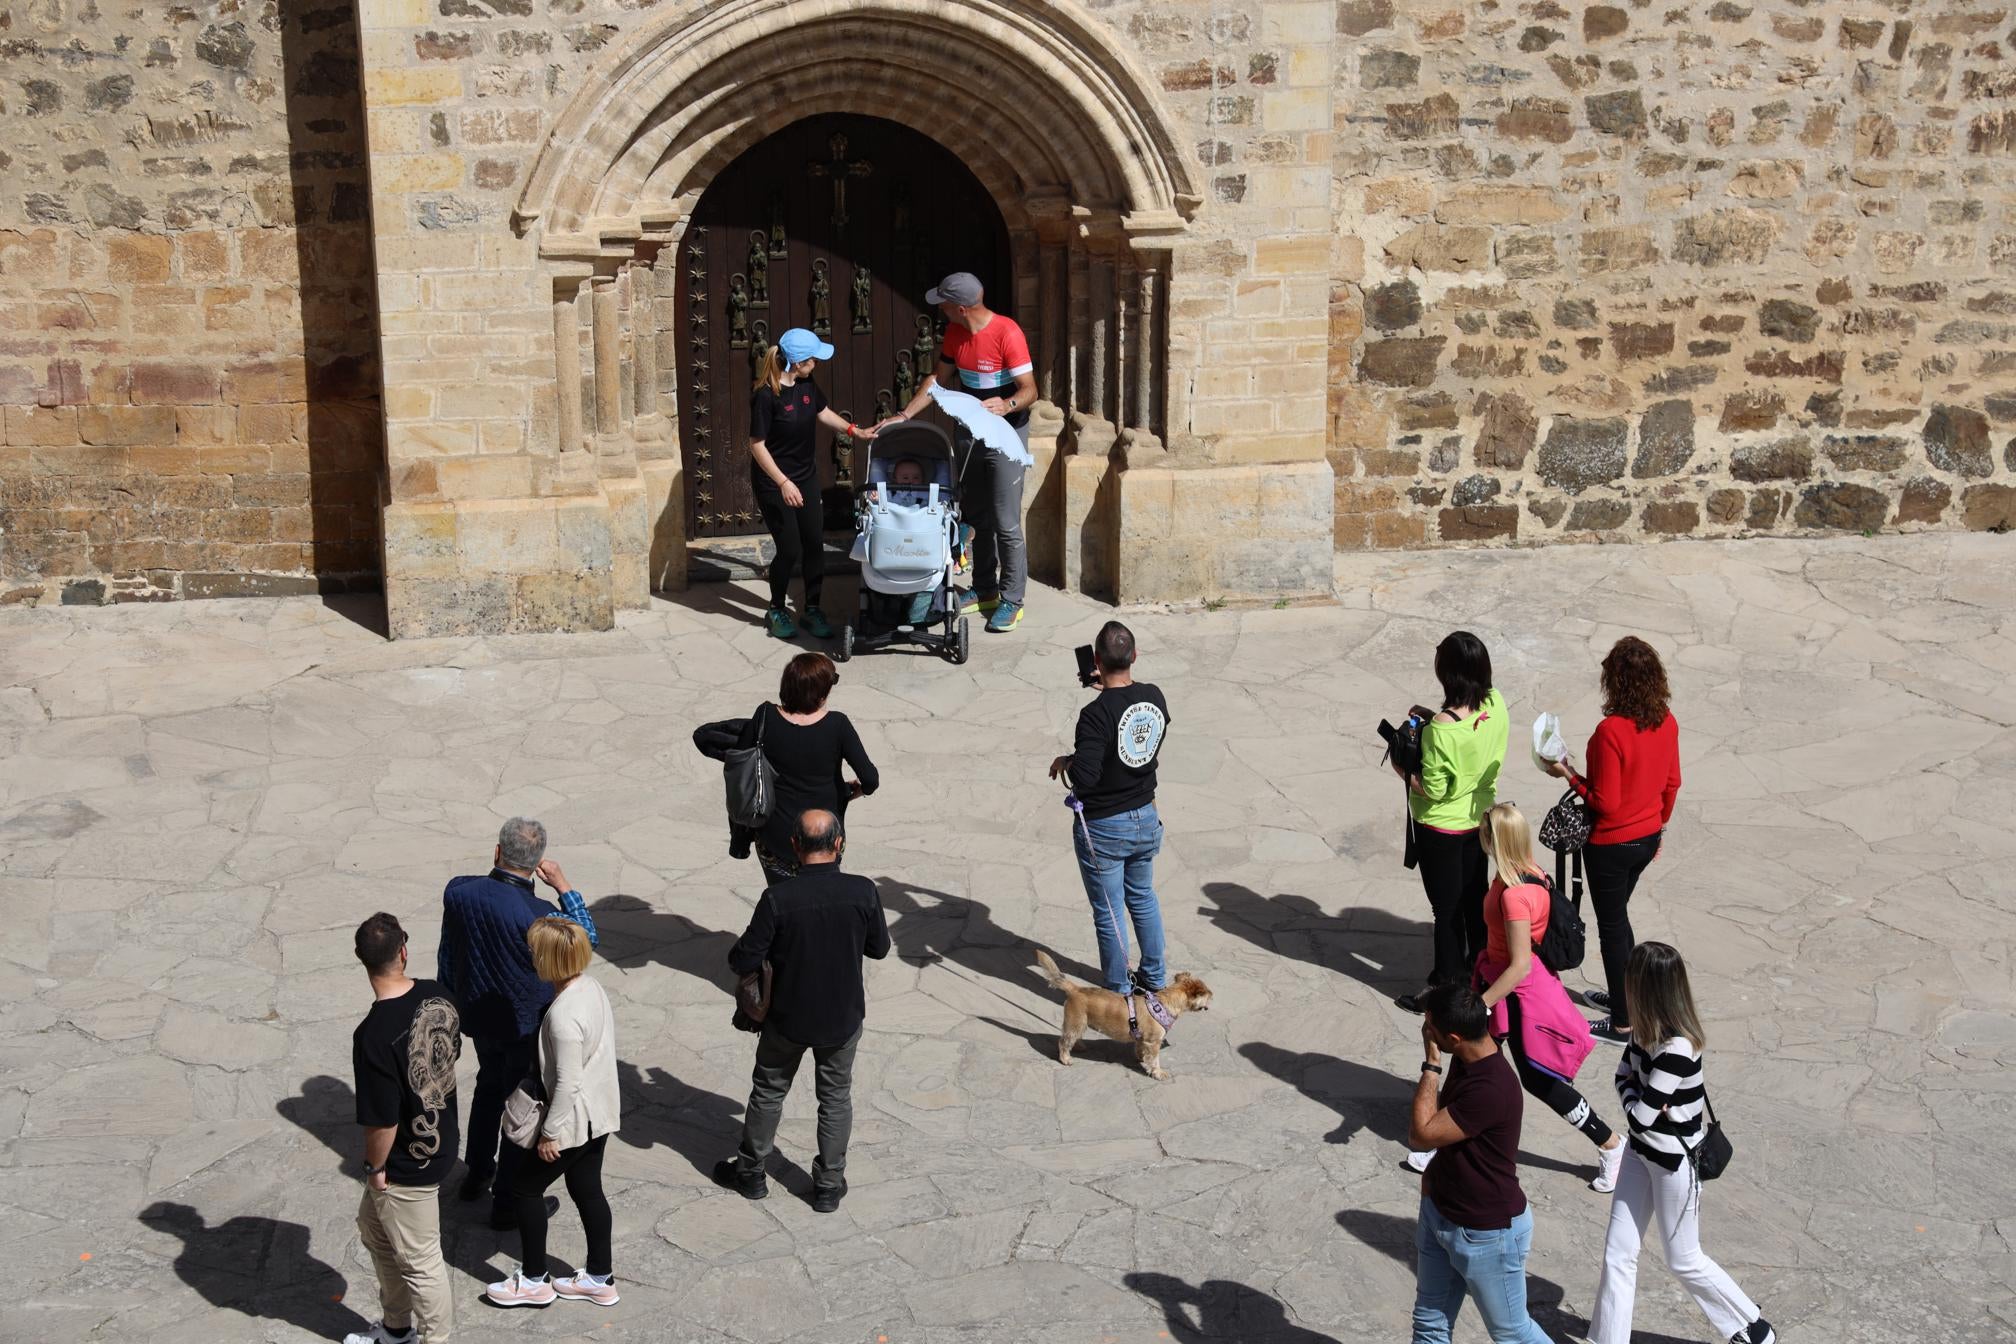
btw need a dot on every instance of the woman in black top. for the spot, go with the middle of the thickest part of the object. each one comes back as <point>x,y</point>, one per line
<point>786,409</point>
<point>806,744</point>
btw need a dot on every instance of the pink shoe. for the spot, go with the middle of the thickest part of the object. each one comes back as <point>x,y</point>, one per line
<point>581,1288</point>
<point>518,1291</point>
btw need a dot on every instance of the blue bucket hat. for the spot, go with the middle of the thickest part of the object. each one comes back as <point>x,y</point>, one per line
<point>800,345</point>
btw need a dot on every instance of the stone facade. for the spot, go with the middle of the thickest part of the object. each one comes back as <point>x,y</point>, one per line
<point>188,376</point>
<point>1643,271</point>
<point>1300,276</point>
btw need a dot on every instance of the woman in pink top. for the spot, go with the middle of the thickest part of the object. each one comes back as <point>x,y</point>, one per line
<point>1530,1011</point>
<point>1633,777</point>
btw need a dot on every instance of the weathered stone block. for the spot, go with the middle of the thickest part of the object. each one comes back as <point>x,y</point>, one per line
<point>1598,515</point>
<point>1671,517</point>
<point>1401,362</point>
<point>1393,306</point>
<point>1923,500</point>
<point>1545,119</point>
<point>1864,452</point>
<point>1842,506</point>
<point>1548,509</point>
<point>1438,247</point>
<point>1725,506</point>
<point>1641,340</point>
<point>1725,237</point>
<point>1988,508</point>
<point>1619,113</point>
<point>1479,522</point>
<point>1789,459</point>
<point>1788,321</point>
<point>1956,440</point>
<point>1579,454</point>
<point>1751,410</point>
<point>1665,439</point>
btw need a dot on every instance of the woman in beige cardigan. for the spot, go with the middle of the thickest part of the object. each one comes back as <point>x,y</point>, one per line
<point>577,1065</point>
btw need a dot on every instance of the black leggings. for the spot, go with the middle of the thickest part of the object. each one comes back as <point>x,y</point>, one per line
<point>582,1167</point>
<point>1613,872</point>
<point>800,535</point>
<point>1560,1096</point>
<point>1454,874</point>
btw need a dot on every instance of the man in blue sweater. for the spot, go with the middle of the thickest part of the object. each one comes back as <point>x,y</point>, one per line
<point>485,963</point>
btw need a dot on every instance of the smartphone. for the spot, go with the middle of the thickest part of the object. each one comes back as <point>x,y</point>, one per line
<point>1088,673</point>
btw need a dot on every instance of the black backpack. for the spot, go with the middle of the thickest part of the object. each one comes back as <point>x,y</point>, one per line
<point>751,781</point>
<point>1566,940</point>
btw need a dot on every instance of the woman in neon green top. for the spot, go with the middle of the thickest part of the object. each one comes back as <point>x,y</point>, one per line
<point>1462,749</point>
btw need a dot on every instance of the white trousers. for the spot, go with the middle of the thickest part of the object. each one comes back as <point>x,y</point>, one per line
<point>1645,1189</point>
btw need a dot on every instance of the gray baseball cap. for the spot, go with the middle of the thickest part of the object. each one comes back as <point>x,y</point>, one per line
<point>960,287</point>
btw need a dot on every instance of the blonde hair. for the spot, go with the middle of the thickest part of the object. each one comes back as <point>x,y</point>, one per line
<point>560,948</point>
<point>1659,997</point>
<point>771,375</point>
<point>1511,846</point>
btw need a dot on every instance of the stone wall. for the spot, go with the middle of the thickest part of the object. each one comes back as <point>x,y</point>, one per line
<point>1651,270</point>
<point>188,376</point>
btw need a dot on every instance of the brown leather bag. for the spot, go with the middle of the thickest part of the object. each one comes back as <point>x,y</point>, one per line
<point>752,1000</point>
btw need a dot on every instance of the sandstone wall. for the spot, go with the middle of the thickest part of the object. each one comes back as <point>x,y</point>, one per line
<point>188,376</point>
<point>1646,270</point>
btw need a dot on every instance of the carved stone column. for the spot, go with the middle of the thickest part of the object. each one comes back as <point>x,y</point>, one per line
<point>1053,358</point>
<point>644,341</point>
<point>1147,351</point>
<point>1078,310</point>
<point>608,359</point>
<point>567,369</point>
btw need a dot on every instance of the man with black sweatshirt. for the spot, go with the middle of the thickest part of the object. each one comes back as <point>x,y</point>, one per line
<point>813,929</point>
<point>1111,771</point>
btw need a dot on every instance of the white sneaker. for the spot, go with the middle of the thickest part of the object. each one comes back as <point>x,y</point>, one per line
<point>380,1333</point>
<point>1609,1161</point>
<point>519,1291</point>
<point>580,1288</point>
<point>1418,1161</point>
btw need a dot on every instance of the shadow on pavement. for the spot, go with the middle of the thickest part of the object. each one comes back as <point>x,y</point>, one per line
<point>1379,949</point>
<point>1224,1310</point>
<point>631,933</point>
<point>259,1267</point>
<point>928,926</point>
<point>1092,1049</point>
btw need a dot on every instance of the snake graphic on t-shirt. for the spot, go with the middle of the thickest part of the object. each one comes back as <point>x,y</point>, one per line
<point>432,1045</point>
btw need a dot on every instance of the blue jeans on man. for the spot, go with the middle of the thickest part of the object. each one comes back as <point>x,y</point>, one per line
<point>1119,873</point>
<point>1488,1266</point>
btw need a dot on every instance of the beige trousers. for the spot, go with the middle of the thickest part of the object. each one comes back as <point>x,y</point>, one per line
<point>401,1227</point>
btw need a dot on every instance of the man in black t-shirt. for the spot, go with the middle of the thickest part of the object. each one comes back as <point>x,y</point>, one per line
<point>404,1054</point>
<point>1475,1229</point>
<point>1111,771</point>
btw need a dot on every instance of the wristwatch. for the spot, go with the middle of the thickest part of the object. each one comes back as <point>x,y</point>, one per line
<point>370,1171</point>
<point>1427,1067</point>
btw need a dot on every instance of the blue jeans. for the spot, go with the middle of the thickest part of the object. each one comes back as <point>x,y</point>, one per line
<point>1120,870</point>
<point>1490,1266</point>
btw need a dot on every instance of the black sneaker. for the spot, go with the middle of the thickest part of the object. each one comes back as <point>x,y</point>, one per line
<point>1606,1029</point>
<point>1410,1003</point>
<point>1596,998</point>
<point>473,1186</point>
<point>1757,1332</point>
<point>728,1175</point>
<point>827,1197</point>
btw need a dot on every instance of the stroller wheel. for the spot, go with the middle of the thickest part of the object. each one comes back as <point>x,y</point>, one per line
<point>846,649</point>
<point>960,642</point>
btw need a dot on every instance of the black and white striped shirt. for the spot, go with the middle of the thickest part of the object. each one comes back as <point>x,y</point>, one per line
<point>1663,1099</point>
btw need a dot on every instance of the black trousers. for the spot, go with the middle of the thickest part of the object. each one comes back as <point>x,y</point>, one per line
<point>1455,875</point>
<point>1613,872</point>
<point>1561,1097</point>
<point>582,1169</point>
<point>800,535</point>
<point>501,1064</point>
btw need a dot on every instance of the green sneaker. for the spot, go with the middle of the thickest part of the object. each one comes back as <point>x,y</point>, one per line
<point>972,602</point>
<point>1007,615</point>
<point>781,625</point>
<point>816,624</point>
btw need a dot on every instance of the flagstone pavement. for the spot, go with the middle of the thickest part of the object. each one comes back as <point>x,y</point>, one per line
<point>200,801</point>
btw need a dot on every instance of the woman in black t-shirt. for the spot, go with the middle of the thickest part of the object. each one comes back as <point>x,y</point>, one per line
<point>786,409</point>
<point>806,744</point>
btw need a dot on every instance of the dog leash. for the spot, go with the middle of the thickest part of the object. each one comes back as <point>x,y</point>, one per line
<point>1156,1008</point>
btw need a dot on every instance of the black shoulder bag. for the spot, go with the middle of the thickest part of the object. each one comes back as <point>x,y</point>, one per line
<point>751,780</point>
<point>1710,1157</point>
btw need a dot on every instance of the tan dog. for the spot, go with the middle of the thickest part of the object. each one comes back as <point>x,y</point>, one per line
<point>1102,1009</point>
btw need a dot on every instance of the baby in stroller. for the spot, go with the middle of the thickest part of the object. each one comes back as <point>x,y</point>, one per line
<point>908,512</point>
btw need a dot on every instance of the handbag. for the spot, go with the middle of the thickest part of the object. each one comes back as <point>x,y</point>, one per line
<point>1568,824</point>
<point>751,780</point>
<point>525,1111</point>
<point>1710,1157</point>
<point>752,1000</point>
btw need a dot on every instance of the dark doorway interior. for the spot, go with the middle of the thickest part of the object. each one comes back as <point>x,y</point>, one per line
<point>837,223</point>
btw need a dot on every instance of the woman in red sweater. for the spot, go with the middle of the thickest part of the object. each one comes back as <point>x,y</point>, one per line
<point>1633,777</point>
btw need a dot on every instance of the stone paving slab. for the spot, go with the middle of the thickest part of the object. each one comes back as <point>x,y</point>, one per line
<point>199,802</point>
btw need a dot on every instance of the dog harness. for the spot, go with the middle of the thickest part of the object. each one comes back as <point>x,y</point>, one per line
<point>1156,1008</point>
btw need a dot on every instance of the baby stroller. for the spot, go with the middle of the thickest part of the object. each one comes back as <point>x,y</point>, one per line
<point>906,537</point>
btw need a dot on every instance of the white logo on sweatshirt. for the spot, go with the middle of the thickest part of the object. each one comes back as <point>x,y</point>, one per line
<point>1140,733</point>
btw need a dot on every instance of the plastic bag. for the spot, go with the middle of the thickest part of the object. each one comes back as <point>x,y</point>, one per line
<point>1548,744</point>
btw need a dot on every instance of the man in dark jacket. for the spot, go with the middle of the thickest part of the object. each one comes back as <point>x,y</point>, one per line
<point>813,929</point>
<point>485,963</point>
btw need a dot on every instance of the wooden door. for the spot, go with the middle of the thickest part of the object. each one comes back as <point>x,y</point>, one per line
<point>839,224</point>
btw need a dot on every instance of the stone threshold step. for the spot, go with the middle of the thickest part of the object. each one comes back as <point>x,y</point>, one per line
<point>728,559</point>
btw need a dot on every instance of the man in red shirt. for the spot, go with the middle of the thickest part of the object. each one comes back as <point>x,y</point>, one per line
<point>987,355</point>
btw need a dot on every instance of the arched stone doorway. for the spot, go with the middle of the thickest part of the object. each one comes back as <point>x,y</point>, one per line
<point>838,223</point>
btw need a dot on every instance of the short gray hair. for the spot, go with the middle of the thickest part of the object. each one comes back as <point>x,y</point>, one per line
<point>521,844</point>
